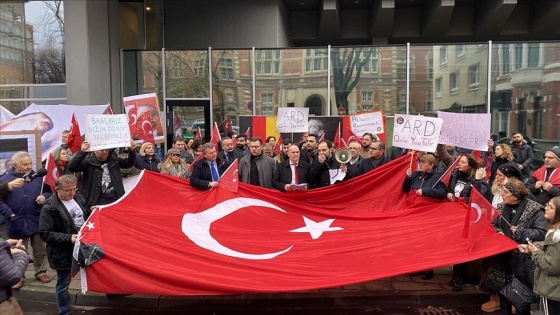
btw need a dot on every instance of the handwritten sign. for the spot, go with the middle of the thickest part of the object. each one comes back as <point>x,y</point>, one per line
<point>292,119</point>
<point>469,131</point>
<point>107,131</point>
<point>367,122</point>
<point>416,132</point>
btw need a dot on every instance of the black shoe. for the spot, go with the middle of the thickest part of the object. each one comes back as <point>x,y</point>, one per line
<point>457,285</point>
<point>428,275</point>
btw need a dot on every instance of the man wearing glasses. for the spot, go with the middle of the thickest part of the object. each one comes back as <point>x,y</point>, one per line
<point>62,216</point>
<point>257,168</point>
<point>377,158</point>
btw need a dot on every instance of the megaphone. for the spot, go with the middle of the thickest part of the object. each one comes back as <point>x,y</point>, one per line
<point>343,155</point>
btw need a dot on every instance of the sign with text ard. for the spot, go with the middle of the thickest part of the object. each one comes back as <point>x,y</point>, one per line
<point>367,122</point>
<point>419,133</point>
<point>470,131</point>
<point>292,119</point>
<point>107,131</point>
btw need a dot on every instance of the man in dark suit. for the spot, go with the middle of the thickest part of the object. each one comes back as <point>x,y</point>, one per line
<point>291,171</point>
<point>377,158</point>
<point>207,171</point>
<point>228,154</point>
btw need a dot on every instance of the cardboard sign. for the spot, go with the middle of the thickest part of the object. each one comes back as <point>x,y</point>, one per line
<point>367,122</point>
<point>470,131</point>
<point>419,133</point>
<point>107,131</point>
<point>292,119</point>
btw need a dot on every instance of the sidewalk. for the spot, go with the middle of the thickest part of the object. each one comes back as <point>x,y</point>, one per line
<point>397,291</point>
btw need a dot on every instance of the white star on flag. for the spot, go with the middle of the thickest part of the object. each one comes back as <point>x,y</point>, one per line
<point>316,229</point>
<point>90,225</point>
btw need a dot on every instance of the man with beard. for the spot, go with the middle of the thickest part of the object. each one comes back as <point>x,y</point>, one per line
<point>309,154</point>
<point>284,153</point>
<point>241,146</point>
<point>544,184</point>
<point>376,159</point>
<point>228,154</point>
<point>257,168</point>
<point>324,163</point>
<point>523,154</point>
<point>367,139</point>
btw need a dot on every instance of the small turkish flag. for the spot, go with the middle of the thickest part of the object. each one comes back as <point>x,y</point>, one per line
<point>447,175</point>
<point>144,128</point>
<point>52,172</point>
<point>353,135</point>
<point>248,132</point>
<point>215,135</point>
<point>278,146</point>
<point>226,126</point>
<point>132,119</point>
<point>230,178</point>
<point>486,207</point>
<point>109,110</point>
<point>75,136</point>
<point>197,134</point>
<point>476,225</point>
<point>337,138</point>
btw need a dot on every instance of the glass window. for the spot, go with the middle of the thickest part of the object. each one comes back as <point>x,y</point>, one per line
<point>443,55</point>
<point>187,74</point>
<point>430,66</point>
<point>401,65</point>
<point>367,96</point>
<point>199,64</point>
<point>371,65</point>
<point>316,60</point>
<point>454,82</point>
<point>533,55</point>
<point>474,75</point>
<point>177,69</point>
<point>268,62</point>
<point>518,56</point>
<point>429,101</point>
<point>439,87</point>
<point>506,67</point>
<point>226,68</point>
<point>460,51</point>
<point>267,101</point>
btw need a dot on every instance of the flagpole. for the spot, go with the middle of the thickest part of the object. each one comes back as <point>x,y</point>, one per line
<point>411,159</point>
<point>448,169</point>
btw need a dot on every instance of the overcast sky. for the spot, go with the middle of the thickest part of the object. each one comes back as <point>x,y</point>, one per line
<point>35,12</point>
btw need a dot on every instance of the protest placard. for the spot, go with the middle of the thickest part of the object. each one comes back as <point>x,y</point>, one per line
<point>367,122</point>
<point>107,131</point>
<point>470,131</point>
<point>416,132</point>
<point>292,119</point>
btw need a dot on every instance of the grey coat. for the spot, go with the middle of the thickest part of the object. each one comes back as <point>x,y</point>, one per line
<point>265,165</point>
<point>12,269</point>
<point>547,263</point>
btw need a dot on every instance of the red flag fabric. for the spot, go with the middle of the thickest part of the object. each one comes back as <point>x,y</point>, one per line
<point>478,201</point>
<point>132,119</point>
<point>278,146</point>
<point>197,134</point>
<point>109,110</point>
<point>260,240</point>
<point>447,175</point>
<point>75,136</point>
<point>230,178</point>
<point>336,140</point>
<point>144,129</point>
<point>248,132</point>
<point>322,138</point>
<point>199,157</point>
<point>554,179</point>
<point>476,226</point>
<point>227,126</point>
<point>216,138</point>
<point>353,135</point>
<point>52,172</point>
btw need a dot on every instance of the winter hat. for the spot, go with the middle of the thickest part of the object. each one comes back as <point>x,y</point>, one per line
<point>555,151</point>
<point>173,151</point>
<point>510,169</point>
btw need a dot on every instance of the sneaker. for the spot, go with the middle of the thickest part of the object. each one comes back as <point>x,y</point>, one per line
<point>18,285</point>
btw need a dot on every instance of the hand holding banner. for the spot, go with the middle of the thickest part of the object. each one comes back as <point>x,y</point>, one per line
<point>416,132</point>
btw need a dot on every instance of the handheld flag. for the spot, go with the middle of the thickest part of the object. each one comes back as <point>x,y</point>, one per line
<point>353,135</point>
<point>230,178</point>
<point>52,172</point>
<point>144,128</point>
<point>447,175</point>
<point>75,136</point>
<point>278,146</point>
<point>226,126</point>
<point>197,134</point>
<point>486,207</point>
<point>215,135</point>
<point>337,138</point>
<point>248,132</point>
<point>109,110</point>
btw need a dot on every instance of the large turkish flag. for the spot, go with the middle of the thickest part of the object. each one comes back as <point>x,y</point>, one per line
<point>165,237</point>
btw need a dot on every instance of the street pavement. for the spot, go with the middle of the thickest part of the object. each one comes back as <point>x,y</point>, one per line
<point>398,295</point>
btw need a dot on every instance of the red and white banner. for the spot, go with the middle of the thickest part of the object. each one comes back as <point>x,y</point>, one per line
<point>260,240</point>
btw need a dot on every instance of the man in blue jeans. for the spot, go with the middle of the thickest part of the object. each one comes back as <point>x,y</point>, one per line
<point>62,216</point>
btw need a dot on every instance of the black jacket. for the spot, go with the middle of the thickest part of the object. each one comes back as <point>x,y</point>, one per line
<point>320,172</point>
<point>202,176</point>
<point>56,228</point>
<point>283,174</point>
<point>457,176</point>
<point>93,171</point>
<point>370,164</point>
<point>429,182</point>
<point>231,157</point>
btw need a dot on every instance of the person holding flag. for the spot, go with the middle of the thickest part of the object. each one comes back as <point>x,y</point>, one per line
<point>522,220</point>
<point>544,184</point>
<point>206,172</point>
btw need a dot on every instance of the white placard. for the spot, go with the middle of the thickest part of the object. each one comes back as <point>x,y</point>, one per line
<point>367,122</point>
<point>292,119</point>
<point>107,131</point>
<point>419,133</point>
<point>470,131</point>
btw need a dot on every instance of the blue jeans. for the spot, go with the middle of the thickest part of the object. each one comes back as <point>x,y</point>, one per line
<point>63,278</point>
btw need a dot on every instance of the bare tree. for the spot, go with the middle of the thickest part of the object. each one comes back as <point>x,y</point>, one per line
<point>50,61</point>
<point>347,64</point>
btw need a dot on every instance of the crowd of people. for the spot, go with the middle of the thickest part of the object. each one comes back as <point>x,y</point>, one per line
<point>49,221</point>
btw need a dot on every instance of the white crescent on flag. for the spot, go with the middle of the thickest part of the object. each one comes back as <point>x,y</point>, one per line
<point>478,211</point>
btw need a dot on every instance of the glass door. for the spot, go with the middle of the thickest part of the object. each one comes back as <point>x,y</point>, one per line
<point>185,117</point>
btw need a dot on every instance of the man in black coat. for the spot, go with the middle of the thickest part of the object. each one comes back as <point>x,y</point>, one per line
<point>292,172</point>
<point>324,163</point>
<point>377,158</point>
<point>102,180</point>
<point>202,176</point>
<point>62,216</point>
<point>228,154</point>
